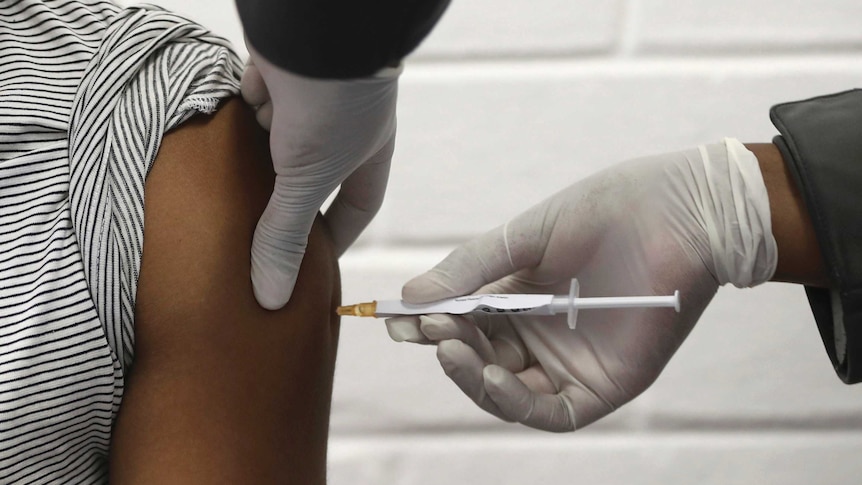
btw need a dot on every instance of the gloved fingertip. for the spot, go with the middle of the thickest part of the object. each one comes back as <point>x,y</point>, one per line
<point>404,329</point>
<point>263,114</point>
<point>272,291</point>
<point>510,394</point>
<point>506,392</point>
<point>437,327</point>
<point>269,300</point>
<point>549,412</point>
<point>252,86</point>
<point>494,375</point>
<point>451,353</point>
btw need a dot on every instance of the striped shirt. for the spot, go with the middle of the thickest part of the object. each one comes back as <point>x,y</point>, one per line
<point>87,90</point>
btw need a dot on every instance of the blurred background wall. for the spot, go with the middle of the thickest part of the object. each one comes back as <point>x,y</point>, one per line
<point>507,102</point>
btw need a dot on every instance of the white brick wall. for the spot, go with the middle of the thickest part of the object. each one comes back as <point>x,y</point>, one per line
<point>507,102</point>
<point>753,27</point>
<point>506,28</point>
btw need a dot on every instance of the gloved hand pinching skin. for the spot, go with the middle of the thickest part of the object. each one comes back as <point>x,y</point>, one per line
<point>687,221</point>
<point>323,133</point>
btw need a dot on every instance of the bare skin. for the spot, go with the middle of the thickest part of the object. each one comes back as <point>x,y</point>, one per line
<point>223,391</point>
<point>799,257</point>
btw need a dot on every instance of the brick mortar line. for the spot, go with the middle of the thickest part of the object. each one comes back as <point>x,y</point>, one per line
<point>515,69</point>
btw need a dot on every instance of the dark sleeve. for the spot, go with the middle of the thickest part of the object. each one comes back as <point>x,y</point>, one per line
<point>337,38</point>
<point>821,141</point>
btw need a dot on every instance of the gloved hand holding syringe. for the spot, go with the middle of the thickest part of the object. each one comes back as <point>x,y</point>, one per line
<point>687,221</point>
<point>525,304</point>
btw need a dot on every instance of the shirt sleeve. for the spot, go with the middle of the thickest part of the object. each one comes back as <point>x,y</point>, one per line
<point>821,141</point>
<point>337,38</point>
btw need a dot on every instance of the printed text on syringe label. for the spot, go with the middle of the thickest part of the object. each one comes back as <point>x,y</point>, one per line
<point>487,309</point>
<point>470,303</point>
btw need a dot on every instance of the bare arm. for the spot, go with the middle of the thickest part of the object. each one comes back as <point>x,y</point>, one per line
<point>223,391</point>
<point>799,257</point>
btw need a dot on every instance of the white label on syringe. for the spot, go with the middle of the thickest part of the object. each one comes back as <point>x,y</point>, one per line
<point>529,304</point>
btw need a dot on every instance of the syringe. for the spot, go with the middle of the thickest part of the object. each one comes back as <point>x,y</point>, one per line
<point>507,304</point>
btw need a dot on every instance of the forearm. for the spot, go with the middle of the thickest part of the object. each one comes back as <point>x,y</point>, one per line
<point>799,256</point>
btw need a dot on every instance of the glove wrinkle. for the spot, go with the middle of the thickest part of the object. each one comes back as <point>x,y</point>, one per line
<point>506,243</point>
<point>608,376</point>
<point>736,212</point>
<point>569,413</point>
<point>584,383</point>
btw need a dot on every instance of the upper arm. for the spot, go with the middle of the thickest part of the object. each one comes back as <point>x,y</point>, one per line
<point>221,390</point>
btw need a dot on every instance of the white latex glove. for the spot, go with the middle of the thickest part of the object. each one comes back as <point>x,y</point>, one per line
<point>690,221</point>
<point>322,133</point>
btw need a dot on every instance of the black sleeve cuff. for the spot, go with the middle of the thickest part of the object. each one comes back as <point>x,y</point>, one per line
<point>337,39</point>
<point>821,142</point>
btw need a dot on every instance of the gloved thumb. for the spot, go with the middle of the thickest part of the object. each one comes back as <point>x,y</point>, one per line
<point>279,244</point>
<point>470,266</point>
<point>518,244</point>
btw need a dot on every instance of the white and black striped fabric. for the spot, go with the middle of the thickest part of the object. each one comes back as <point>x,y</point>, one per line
<point>87,90</point>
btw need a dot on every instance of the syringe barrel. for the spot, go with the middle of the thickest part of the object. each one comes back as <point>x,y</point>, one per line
<point>560,304</point>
